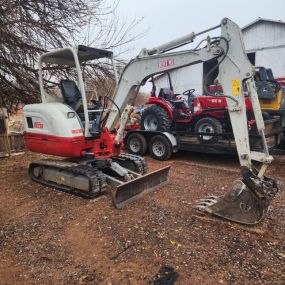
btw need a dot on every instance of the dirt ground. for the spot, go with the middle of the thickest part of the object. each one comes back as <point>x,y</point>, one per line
<point>49,237</point>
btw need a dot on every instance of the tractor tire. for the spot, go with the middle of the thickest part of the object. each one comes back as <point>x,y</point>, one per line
<point>160,148</point>
<point>136,144</point>
<point>208,125</point>
<point>155,118</point>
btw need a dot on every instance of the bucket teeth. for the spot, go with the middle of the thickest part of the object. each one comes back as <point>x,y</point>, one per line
<point>205,203</point>
<point>210,200</point>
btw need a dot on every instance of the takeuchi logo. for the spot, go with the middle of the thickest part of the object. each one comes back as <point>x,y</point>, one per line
<point>38,125</point>
<point>166,63</point>
<point>78,131</point>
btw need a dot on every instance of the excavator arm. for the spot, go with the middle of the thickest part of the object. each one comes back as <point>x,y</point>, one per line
<point>251,195</point>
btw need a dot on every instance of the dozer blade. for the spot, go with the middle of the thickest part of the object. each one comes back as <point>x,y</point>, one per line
<point>134,189</point>
<point>240,205</point>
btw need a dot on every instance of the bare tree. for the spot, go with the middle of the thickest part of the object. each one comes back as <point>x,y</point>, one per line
<point>29,28</point>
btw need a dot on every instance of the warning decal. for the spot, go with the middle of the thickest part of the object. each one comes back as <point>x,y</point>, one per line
<point>235,86</point>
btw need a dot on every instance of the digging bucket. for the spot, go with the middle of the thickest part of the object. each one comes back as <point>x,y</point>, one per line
<point>244,204</point>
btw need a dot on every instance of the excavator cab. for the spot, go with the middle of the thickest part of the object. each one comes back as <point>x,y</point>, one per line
<point>73,94</point>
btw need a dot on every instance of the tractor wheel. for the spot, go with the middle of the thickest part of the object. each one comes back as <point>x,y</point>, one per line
<point>160,148</point>
<point>136,144</point>
<point>208,125</point>
<point>155,118</point>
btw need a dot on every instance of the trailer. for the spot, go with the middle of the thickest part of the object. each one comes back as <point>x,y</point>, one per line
<point>161,145</point>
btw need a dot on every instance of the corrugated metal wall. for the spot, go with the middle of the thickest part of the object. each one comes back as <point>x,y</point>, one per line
<point>263,35</point>
<point>267,40</point>
<point>273,58</point>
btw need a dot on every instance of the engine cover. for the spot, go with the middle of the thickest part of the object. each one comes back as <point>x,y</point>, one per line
<point>54,128</point>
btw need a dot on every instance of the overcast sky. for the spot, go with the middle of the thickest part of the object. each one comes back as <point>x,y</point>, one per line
<point>167,19</point>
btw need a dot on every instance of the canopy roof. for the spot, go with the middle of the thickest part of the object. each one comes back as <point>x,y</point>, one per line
<point>84,53</point>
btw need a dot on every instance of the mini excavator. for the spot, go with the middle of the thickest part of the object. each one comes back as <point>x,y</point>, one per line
<point>65,126</point>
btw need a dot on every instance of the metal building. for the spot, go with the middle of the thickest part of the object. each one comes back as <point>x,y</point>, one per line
<point>265,44</point>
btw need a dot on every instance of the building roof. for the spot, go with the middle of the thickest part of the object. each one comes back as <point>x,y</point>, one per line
<point>262,20</point>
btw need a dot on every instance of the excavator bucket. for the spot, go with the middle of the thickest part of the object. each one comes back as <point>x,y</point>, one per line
<point>242,204</point>
<point>127,192</point>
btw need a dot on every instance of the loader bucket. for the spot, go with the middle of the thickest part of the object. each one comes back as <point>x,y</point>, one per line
<point>134,189</point>
<point>241,204</point>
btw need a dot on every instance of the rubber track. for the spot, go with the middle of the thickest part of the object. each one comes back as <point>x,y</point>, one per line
<point>96,177</point>
<point>138,161</point>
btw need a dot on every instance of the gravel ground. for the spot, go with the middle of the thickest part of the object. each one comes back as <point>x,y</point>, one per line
<point>49,237</point>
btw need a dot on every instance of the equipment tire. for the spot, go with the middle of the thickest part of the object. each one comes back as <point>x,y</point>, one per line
<point>155,118</point>
<point>208,124</point>
<point>136,144</point>
<point>160,147</point>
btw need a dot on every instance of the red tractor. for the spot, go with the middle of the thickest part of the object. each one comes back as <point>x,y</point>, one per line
<point>204,115</point>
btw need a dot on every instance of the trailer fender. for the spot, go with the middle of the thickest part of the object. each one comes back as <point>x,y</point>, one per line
<point>172,140</point>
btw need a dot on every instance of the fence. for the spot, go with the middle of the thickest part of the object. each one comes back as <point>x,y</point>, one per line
<point>10,143</point>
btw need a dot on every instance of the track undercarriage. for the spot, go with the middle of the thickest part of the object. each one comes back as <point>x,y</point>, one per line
<point>90,178</point>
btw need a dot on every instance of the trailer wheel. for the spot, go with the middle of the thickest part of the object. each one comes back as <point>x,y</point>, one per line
<point>155,118</point>
<point>136,144</point>
<point>160,147</point>
<point>208,125</point>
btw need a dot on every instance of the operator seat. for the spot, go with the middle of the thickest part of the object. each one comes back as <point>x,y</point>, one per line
<point>73,98</point>
<point>71,94</point>
<point>168,95</point>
